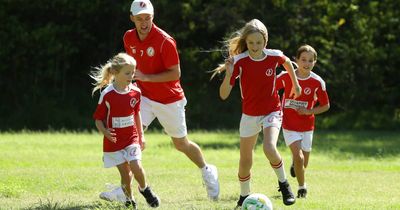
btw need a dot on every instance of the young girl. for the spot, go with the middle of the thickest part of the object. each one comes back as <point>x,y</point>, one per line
<point>255,66</point>
<point>298,117</point>
<point>117,116</point>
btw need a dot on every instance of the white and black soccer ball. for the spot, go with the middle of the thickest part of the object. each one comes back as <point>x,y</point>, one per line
<point>257,201</point>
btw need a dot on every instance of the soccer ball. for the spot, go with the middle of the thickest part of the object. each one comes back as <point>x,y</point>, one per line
<point>257,201</point>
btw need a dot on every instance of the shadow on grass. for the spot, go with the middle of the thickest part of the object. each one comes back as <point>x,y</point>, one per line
<point>358,143</point>
<point>53,205</point>
<point>355,143</point>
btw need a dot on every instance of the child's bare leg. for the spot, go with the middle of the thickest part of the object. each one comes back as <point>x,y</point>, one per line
<point>126,179</point>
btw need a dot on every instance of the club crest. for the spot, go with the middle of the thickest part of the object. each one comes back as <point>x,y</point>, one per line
<point>150,51</point>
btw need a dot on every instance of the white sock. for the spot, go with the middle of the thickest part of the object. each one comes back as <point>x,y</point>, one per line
<point>280,171</point>
<point>244,185</point>
<point>303,187</point>
<point>142,189</point>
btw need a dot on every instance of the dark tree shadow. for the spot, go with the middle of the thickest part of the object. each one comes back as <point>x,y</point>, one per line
<point>357,143</point>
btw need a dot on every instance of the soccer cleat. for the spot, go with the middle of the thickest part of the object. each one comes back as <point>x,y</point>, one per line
<point>302,193</point>
<point>116,194</point>
<point>131,203</point>
<point>292,173</point>
<point>210,180</point>
<point>151,198</point>
<point>287,194</point>
<point>240,201</point>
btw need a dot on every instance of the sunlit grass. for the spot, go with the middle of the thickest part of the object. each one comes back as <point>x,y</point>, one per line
<point>55,170</point>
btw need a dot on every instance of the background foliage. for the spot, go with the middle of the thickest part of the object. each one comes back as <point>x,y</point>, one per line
<point>48,47</point>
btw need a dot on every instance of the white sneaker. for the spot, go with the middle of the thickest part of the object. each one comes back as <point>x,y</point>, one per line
<point>115,194</point>
<point>210,180</point>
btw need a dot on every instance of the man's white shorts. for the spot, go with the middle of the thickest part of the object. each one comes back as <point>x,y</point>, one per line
<point>171,116</point>
<point>251,125</point>
<point>129,153</point>
<point>305,138</point>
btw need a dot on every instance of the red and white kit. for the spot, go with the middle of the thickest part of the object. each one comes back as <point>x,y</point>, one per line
<point>118,110</point>
<point>257,81</point>
<point>313,91</point>
<point>155,54</point>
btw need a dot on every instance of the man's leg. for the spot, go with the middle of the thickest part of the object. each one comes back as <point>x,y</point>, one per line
<point>209,172</point>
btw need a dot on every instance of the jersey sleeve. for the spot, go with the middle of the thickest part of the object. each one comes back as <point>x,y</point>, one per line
<point>235,74</point>
<point>279,81</point>
<point>322,96</point>
<point>101,110</point>
<point>125,41</point>
<point>282,59</point>
<point>138,97</point>
<point>169,53</point>
<point>136,109</point>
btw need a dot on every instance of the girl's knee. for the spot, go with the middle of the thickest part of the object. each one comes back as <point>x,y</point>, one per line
<point>298,157</point>
<point>270,150</point>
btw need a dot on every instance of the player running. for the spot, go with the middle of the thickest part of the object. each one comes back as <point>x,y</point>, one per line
<point>299,113</point>
<point>255,67</point>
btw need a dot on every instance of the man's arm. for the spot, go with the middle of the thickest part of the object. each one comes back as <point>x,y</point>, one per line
<point>173,73</point>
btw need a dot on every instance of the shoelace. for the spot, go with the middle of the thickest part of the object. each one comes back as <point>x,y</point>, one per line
<point>285,190</point>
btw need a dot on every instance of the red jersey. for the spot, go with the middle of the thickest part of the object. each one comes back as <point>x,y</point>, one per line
<point>155,54</point>
<point>257,81</point>
<point>313,91</point>
<point>118,110</point>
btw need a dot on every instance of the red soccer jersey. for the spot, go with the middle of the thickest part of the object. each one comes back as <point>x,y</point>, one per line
<point>313,91</point>
<point>118,110</point>
<point>154,55</point>
<point>257,81</point>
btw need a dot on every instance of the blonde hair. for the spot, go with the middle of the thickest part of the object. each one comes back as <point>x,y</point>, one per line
<point>236,44</point>
<point>104,74</point>
<point>306,48</point>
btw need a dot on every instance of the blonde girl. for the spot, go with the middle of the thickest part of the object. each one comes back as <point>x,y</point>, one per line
<point>117,117</point>
<point>255,66</point>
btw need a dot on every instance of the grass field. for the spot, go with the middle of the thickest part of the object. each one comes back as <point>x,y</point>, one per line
<point>348,170</point>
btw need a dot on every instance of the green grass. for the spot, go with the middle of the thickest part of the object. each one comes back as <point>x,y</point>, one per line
<point>348,170</point>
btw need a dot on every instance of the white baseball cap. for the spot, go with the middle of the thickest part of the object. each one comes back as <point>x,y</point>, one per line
<point>142,7</point>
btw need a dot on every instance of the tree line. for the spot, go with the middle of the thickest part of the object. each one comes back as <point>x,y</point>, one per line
<point>48,48</point>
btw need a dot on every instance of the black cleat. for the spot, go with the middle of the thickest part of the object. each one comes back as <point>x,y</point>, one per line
<point>151,198</point>
<point>240,201</point>
<point>287,194</point>
<point>292,173</point>
<point>131,203</point>
<point>302,193</point>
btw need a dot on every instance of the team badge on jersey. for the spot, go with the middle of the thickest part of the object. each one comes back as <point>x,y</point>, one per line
<point>150,51</point>
<point>269,72</point>
<point>307,91</point>
<point>133,102</point>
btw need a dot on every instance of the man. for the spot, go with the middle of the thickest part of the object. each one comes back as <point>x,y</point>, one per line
<point>158,76</point>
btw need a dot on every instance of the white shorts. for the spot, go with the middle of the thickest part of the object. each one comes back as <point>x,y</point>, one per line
<point>171,116</point>
<point>305,138</point>
<point>129,153</point>
<point>251,125</point>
